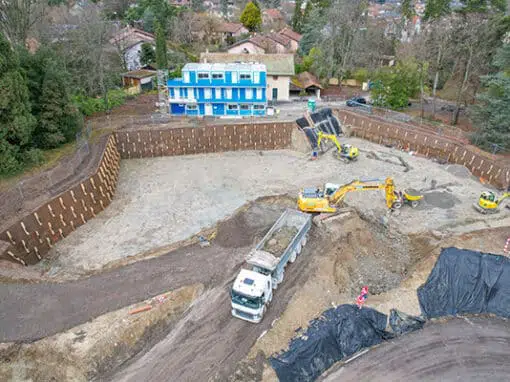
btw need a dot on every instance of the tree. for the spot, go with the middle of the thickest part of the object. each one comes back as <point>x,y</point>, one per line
<point>17,124</point>
<point>297,17</point>
<point>407,9</point>
<point>394,86</point>
<point>197,5</point>
<point>484,5</point>
<point>251,17</point>
<point>161,55</point>
<point>435,9</point>
<point>491,116</point>
<point>224,7</point>
<point>312,31</point>
<point>147,55</point>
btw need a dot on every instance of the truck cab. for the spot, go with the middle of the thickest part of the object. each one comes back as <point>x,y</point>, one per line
<point>250,294</point>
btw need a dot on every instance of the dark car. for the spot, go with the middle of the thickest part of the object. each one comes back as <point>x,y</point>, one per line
<point>356,101</point>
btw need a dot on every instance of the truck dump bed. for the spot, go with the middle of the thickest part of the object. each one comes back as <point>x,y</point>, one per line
<point>280,240</point>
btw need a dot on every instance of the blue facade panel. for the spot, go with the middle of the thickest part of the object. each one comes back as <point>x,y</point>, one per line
<point>209,89</point>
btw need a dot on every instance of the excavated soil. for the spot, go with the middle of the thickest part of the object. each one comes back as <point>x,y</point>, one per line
<point>280,240</point>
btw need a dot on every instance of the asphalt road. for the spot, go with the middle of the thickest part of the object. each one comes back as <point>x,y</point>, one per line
<point>462,349</point>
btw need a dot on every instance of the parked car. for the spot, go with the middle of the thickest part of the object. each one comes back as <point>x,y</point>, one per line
<point>356,101</point>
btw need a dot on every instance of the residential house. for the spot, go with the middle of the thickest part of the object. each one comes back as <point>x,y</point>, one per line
<point>285,41</point>
<point>129,41</point>
<point>229,31</point>
<point>294,38</point>
<point>221,89</point>
<point>280,69</point>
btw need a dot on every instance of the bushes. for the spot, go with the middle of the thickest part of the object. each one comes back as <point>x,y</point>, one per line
<point>91,105</point>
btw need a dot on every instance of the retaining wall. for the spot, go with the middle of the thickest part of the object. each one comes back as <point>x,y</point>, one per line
<point>140,143</point>
<point>31,237</point>
<point>481,164</point>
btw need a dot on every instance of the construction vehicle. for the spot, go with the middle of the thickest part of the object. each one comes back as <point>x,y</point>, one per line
<point>253,287</point>
<point>317,200</point>
<point>488,203</point>
<point>344,152</point>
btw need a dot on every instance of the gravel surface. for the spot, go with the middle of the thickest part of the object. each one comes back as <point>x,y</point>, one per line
<point>160,201</point>
<point>439,352</point>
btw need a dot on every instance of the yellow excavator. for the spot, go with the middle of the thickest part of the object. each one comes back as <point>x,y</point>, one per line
<point>325,200</point>
<point>488,203</point>
<point>344,152</point>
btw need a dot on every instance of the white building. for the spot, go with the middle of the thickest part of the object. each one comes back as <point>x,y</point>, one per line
<point>129,41</point>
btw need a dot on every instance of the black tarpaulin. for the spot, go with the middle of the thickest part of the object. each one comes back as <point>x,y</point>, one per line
<point>464,282</point>
<point>338,333</point>
<point>402,323</point>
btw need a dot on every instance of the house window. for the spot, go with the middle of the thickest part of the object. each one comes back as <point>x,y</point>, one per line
<point>185,77</point>
<point>249,93</point>
<point>217,76</point>
<point>203,76</point>
<point>191,107</point>
<point>245,76</point>
<point>275,78</point>
<point>258,107</point>
<point>229,93</point>
<point>256,77</point>
<point>207,93</point>
<point>259,93</point>
<point>232,107</point>
<point>217,92</point>
<point>245,107</point>
<point>190,93</point>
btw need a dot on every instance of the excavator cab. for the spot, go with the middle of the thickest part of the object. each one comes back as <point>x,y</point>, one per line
<point>488,196</point>
<point>348,152</point>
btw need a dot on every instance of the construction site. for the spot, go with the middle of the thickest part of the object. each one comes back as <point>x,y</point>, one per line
<point>132,271</point>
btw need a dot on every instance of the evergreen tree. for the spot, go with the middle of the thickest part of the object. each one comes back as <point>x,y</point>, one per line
<point>484,5</point>
<point>306,14</point>
<point>251,17</point>
<point>147,55</point>
<point>224,7</point>
<point>161,55</point>
<point>435,9</point>
<point>311,31</point>
<point>491,115</point>
<point>59,120</point>
<point>407,9</point>
<point>16,122</point>
<point>297,17</point>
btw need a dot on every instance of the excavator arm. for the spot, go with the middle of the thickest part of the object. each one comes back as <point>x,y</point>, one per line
<point>357,185</point>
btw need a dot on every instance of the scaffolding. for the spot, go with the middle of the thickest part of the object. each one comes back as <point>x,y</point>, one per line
<point>163,91</point>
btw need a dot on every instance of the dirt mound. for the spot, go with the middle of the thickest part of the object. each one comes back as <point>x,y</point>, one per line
<point>280,240</point>
<point>251,221</point>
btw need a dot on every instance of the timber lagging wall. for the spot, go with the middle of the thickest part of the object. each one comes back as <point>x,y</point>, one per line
<point>481,165</point>
<point>32,237</point>
<point>184,141</point>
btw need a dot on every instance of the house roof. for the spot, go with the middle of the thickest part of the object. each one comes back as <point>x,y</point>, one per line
<point>127,37</point>
<point>289,33</point>
<point>273,13</point>
<point>276,64</point>
<point>142,73</point>
<point>305,80</point>
<point>279,38</point>
<point>229,27</point>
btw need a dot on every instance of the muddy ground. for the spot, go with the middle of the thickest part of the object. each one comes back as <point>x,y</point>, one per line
<point>160,201</point>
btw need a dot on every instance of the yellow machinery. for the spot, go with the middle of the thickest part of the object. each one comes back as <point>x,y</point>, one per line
<point>344,152</point>
<point>488,203</point>
<point>317,200</point>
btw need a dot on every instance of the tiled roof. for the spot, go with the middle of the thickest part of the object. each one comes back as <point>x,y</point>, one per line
<point>277,64</point>
<point>273,13</point>
<point>279,38</point>
<point>289,33</point>
<point>305,80</point>
<point>229,27</point>
<point>262,42</point>
<point>142,73</point>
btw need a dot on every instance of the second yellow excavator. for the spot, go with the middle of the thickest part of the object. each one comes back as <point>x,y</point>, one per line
<point>488,203</point>
<point>325,200</point>
<point>344,152</point>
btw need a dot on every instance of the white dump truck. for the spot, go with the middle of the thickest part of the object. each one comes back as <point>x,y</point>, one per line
<point>265,267</point>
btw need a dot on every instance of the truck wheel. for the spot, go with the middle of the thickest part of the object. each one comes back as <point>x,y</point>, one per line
<point>292,257</point>
<point>280,278</point>
<point>298,249</point>
<point>303,242</point>
<point>396,205</point>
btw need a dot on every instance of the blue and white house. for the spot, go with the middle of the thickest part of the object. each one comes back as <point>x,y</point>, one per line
<point>233,89</point>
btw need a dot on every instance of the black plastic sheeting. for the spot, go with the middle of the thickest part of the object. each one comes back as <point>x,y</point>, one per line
<point>338,333</point>
<point>402,323</point>
<point>324,121</point>
<point>464,282</point>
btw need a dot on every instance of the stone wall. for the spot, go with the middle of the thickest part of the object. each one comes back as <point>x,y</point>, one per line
<point>487,167</point>
<point>31,237</point>
<point>140,143</point>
